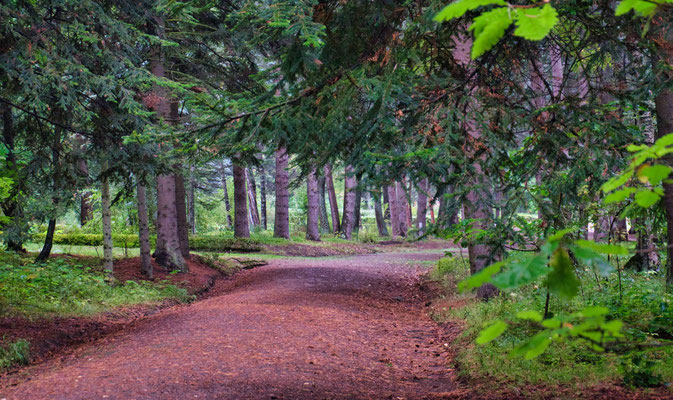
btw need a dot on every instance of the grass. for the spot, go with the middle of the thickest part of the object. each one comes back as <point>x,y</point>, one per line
<point>70,287</point>
<point>14,354</point>
<point>92,251</point>
<point>646,310</point>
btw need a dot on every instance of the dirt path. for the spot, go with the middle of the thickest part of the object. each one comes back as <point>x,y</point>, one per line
<point>296,329</point>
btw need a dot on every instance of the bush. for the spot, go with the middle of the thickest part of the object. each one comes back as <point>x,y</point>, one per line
<point>219,243</point>
<point>14,354</point>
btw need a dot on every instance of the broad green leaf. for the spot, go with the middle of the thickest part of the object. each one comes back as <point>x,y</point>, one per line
<point>551,323</point>
<point>520,273</point>
<point>602,248</point>
<point>643,8</point>
<point>488,28</point>
<point>614,327</point>
<point>646,198</point>
<point>458,8</point>
<point>636,147</point>
<point>593,311</point>
<point>530,315</point>
<point>592,259</point>
<point>493,331</point>
<point>562,280</point>
<point>655,173</point>
<point>560,234</point>
<point>481,277</point>
<point>619,195</point>
<point>534,347</point>
<point>664,141</point>
<point>535,23</point>
<point>615,182</point>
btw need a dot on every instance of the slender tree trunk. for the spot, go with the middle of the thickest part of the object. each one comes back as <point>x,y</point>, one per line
<point>378,212</point>
<point>241,228</point>
<point>357,221</point>
<point>393,208</point>
<point>192,200</point>
<point>322,207</point>
<point>386,204</point>
<point>168,252</point>
<point>252,197</point>
<point>421,212</point>
<point>181,208</point>
<point>262,189</point>
<point>403,207</point>
<point>51,228</point>
<point>48,241</point>
<point>85,208</point>
<point>350,183</point>
<point>144,233</point>
<point>108,261</point>
<point>664,105</point>
<point>331,195</point>
<point>312,229</point>
<point>12,207</point>
<point>281,226</point>
<point>227,205</point>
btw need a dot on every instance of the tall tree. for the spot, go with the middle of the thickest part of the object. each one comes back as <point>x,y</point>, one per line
<point>350,184</point>
<point>227,205</point>
<point>144,232</point>
<point>421,210</point>
<point>312,229</point>
<point>322,207</point>
<point>281,226</point>
<point>331,195</point>
<point>241,227</point>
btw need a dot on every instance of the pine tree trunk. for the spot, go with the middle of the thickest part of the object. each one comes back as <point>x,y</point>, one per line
<point>227,205</point>
<point>241,227</point>
<point>312,229</point>
<point>144,234</point>
<point>262,189</point>
<point>393,208</point>
<point>421,211</point>
<point>324,219</point>
<point>403,207</point>
<point>85,208</point>
<point>357,220</point>
<point>108,261</point>
<point>350,183</point>
<point>331,196</point>
<point>252,198</point>
<point>378,212</point>
<point>51,228</point>
<point>48,242</point>
<point>181,209</point>
<point>192,199</point>
<point>281,225</point>
<point>168,252</point>
<point>664,105</point>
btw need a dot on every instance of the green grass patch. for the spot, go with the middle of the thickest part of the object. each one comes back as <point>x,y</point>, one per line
<point>645,308</point>
<point>71,287</point>
<point>13,354</point>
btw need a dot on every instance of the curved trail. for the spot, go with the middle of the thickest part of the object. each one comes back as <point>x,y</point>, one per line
<point>341,328</point>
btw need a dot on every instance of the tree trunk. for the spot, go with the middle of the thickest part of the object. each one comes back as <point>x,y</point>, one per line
<point>168,252</point>
<point>378,212</point>
<point>227,205</point>
<point>144,233</point>
<point>108,260</point>
<point>322,207</point>
<point>645,259</point>
<point>262,194</point>
<point>192,199</point>
<point>48,242</point>
<point>12,207</point>
<point>331,196</point>
<point>421,212</point>
<point>85,208</point>
<point>241,228</point>
<point>56,162</point>
<point>312,230</point>
<point>394,211</point>
<point>664,105</point>
<point>403,209</point>
<point>357,220</point>
<point>252,197</point>
<point>281,225</point>
<point>181,208</point>
<point>350,183</point>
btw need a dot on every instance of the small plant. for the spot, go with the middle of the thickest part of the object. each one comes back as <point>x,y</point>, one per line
<point>14,354</point>
<point>639,372</point>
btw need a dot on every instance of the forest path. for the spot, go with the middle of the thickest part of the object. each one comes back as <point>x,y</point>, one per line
<point>330,328</point>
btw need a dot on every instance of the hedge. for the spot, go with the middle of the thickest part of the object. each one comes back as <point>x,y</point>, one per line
<point>196,242</point>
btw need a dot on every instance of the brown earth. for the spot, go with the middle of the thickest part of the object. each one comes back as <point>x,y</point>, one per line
<point>353,327</point>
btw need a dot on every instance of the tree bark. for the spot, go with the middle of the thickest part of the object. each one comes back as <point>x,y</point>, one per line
<point>144,233</point>
<point>48,241</point>
<point>241,227</point>
<point>262,194</point>
<point>664,106</point>
<point>252,197</point>
<point>12,207</point>
<point>108,261</point>
<point>403,207</point>
<point>192,199</point>
<point>181,209</point>
<point>227,205</point>
<point>378,212</point>
<point>168,252</point>
<point>281,226</point>
<point>312,229</point>
<point>350,183</point>
<point>324,219</point>
<point>394,211</point>
<point>331,196</point>
<point>421,211</point>
<point>357,220</point>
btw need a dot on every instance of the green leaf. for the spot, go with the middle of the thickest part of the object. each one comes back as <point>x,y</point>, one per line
<point>664,141</point>
<point>643,8</point>
<point>458,8</point>
<point>562,280</point>
<point>488,29</point>
<point>614,327</point>
<point>602,248</point>
<point>646,198</point>
<point>530,315</point>
<point>481,277</point>
<point>534,347</point>
<point>655,173</point>
<point>592,259</point>
<point>619,195</point>
<point>560,234</point>
<point>594,311</point>
<point>551,323</point>
<point>616,182</point>
<point>493,331</point>
<point>520,273</point>
<point>535,23</point>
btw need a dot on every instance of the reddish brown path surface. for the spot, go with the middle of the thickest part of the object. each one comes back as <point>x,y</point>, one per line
<point>296,329</point>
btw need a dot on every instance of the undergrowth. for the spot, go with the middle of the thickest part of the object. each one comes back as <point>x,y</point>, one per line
<point>70,287</point>
<point>14,354</point>
<point>645,308</point>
